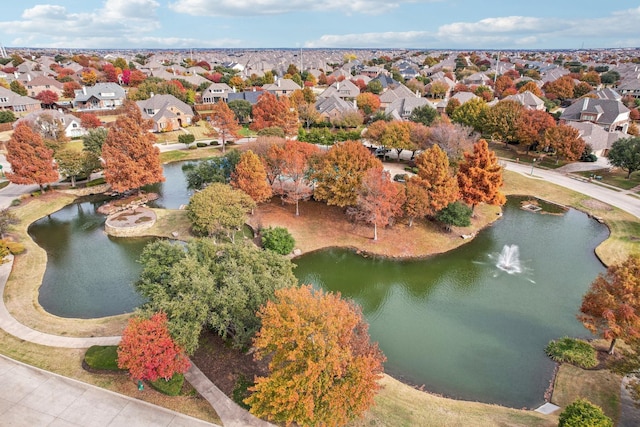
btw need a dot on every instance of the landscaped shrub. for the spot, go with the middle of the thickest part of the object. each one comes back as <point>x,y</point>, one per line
<point>102,357</point>
<point>241,392</point>
<point>278,239</point>
<point>272,131</point>
<point>186,139</point>
<point>583,413</point>
<point>95,182</point>
<point>201,144</point>
<point>172,387</point>
<point>574,351</point>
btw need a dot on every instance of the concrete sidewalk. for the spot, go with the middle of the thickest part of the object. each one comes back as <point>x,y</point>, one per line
<point>31,397</point>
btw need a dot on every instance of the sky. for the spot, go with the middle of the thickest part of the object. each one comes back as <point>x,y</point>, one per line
<point>417,24</point>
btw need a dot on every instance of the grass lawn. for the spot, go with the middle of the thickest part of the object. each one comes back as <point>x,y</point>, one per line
<point>400,405</point>
<point>617,178</point>
<point>245,132</point>
<point>195,154</point>
<point>510,152</point>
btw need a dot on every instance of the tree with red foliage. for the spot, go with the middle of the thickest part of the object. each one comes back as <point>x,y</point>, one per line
<point>90,121</point>
<point>270,111</point>
<point>565,141</point>
<point>47,97</point>
<point>69,88</point>
<point>323,368</point>
<point>379,200</point>
<point>31,161</point>
<point>148,352</point>
<point>531,126</point>
<point>249,176</point>
<point>611,306</point>
<point>110,73</point>
<point>135,78</point>
<point>130,158</point>
<point>225,123</point>
<point>295,163</point>
<point>480,176</point>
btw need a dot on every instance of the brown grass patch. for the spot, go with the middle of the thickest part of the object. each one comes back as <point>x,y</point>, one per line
<point>320,226</point>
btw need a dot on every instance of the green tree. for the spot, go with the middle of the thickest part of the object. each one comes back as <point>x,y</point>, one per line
<point>375,87</point>
<point>73,164</point>
<point>424,114</point>
<point>217,286</point>
<point>625,154</point>
<point>323,369</point>
<point>278,239</point>
<point>501,121</point>
<point>456,214</point>
<point>241,108</point>
<point>7,116</point>
<point>582,413</point>
<point>470,113</point>
<point>94,140</point>
<point>217,169</point>
<point>219,209</point>
<point>18,88</point>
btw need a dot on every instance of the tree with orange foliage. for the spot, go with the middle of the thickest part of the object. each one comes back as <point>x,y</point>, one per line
<point>340,172</point>
<point>272,157</point>
<point>561,88</point>
<point>379,200</point>
<point>90,121</point>
<point>69,88</point>
<point>323,369</point>
<point>531,126</point>
<point>565,141</point>
<point>532,87</point>
<point>611,306</point>
<point>148,351</point>
<point>89,77</point>
<point>434,175</point>
<point>130,158</point>
<point>225,123</point>
<point>31,161</point>
<point>136,77</point>
<point>416,204</point>
<point>368,103</point>
<point>480,176</point>
<point>249,176</point>
<point>270,111</point>
<point>503,83</point>
<point>295,162</point>
<point>375,131</point>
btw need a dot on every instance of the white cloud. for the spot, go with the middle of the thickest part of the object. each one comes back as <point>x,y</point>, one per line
<point>503,32</point>
<point>118,20</point>
<point>275,7</point>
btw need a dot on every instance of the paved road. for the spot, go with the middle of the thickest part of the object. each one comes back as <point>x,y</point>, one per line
<point>619,199</point>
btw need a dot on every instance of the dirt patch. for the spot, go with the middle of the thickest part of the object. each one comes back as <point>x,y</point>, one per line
<point>596,205</point>
<point>223,364</point>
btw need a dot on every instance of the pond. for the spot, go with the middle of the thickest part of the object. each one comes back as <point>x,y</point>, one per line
<point>459,324</point>
<point>455,322</point>
<point>90,274</point>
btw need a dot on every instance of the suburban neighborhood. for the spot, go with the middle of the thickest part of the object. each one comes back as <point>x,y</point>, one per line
<point>243,175</point>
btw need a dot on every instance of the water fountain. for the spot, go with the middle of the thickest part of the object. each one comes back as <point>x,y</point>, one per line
<point>509,259</point>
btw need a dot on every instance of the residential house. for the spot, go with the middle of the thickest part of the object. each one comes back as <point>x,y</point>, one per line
<point>612,115</point>
<point>41,83</point>
<point>10,100</point>
<point>167,112</point>
<point>334,106</point>
<point>528,99</point>
<point>630,87</point>
<point>216,92</point>
<point>607,93</point>
<point>70,124</point>
<point>399,92</point>
<point>387,82</point>
<point>345,89</point>
<point>478,79</point>
<point>101,96</point>
<point>250,96</point>
<point>401,108</point>
<point>372,72</point>
<point>282,87</point>
<point>598,139</point>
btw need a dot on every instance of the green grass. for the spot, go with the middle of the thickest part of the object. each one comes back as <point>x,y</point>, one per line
<point>180,155</point>
<point>245,132</point>
<point>574,351</point>
<point>102,357</point>
<point>172,387</point>
<point>3,184</point>
<point>616,178</point>
<point>510,152</point>
<point>241,392</point>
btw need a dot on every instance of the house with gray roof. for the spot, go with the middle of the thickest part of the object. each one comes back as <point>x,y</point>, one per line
<point>401,108</point>
<point>216,92</point>
<point>282,87</point>
<point>250,96</point>
<point>10,100</point>
<point>612,115</point>
<point>167,112</point>
<point>400,91</point>
<point>528,99</point>
<point>101,96</point>
<point>598,139</point>
<point>333,106</point>
<point>345,89</point>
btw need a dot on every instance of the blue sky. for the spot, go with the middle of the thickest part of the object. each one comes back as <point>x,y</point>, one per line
<point>421,24</point>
